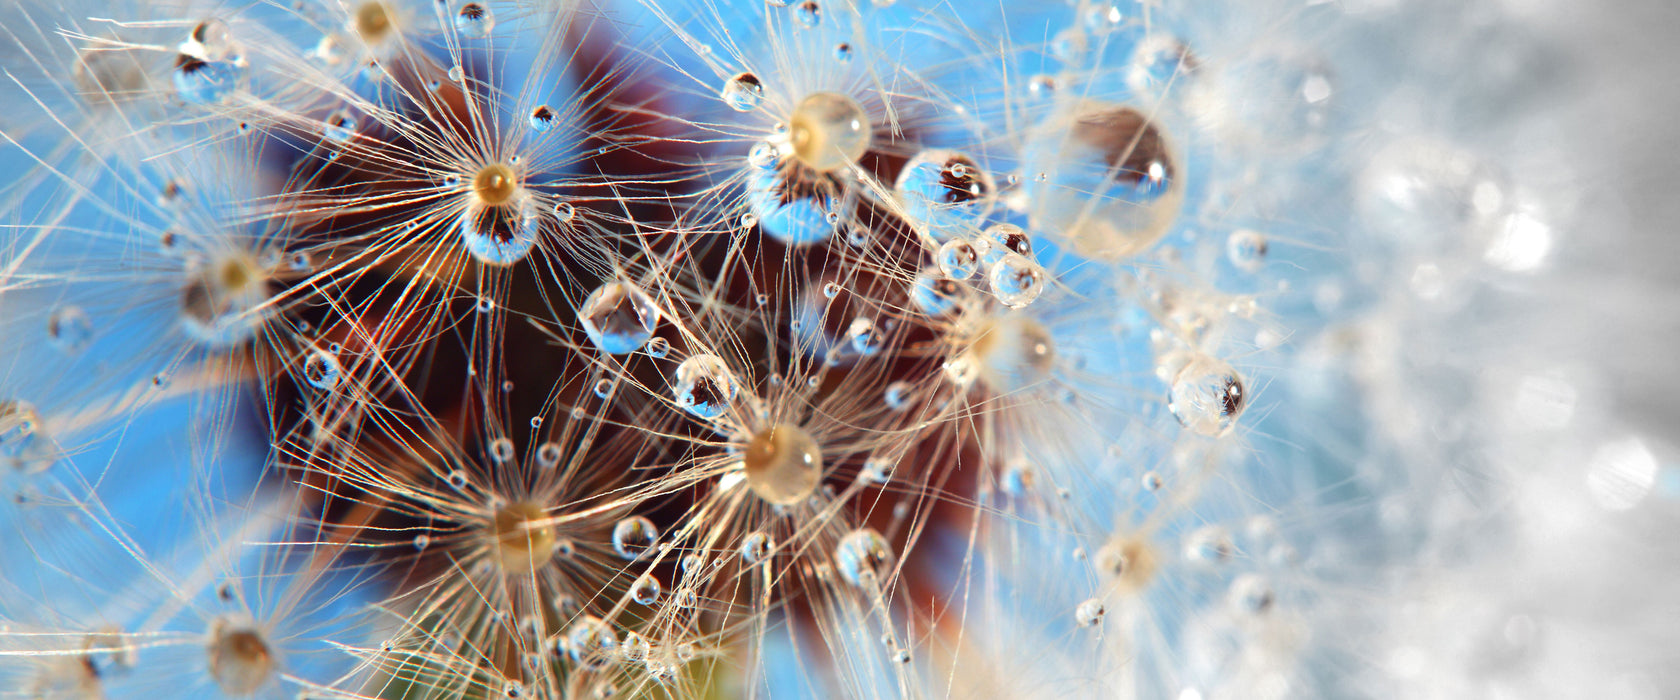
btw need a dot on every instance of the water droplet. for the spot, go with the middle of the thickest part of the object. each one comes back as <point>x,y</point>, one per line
<point>645,590</point>
<point>548,455</point>
<point>1089,613</point>
<point>1209,545</point>
<point>604,388</point>
<point>843,52</point>
<point>1151,481</point>
<point>474,20</point>
<point>1108,181</point>
<point>704,386</point>
<point>1159,63</point>
<point>634,537</point>
<point>636,647</point>
<point>618,317</point>
<point>748,221</point>
<point>944,192</point>
<point>829,131</point>
<point>755,547</point>
<point>897,395</point>
<point>1251,594</point>
<point>513,690</point>
<point>1016,280</point>
<point>863,557</point>
<point>1246,249</point>
<point>322,371</point>
<point>743,92</point>
<point>1069,45</point>
<point>457,73</point>
<point>225,301</point>
<point>457,480</point>
<point>658,348</point>
<point>1207,396</point>
<point>933,293</point>
<point>831,289</point>
<point>501,450</point>
<point>958,259</point>
<point>421,542</point>
<point>70,329</point>
<point>808,14</point>
<point>202,82</point>
<point>877,470</point>
<point>1002,239</point>
<point>339,126</point>
<point>764,155</point>
<point>866,338</point>
<point>590,642</point>
<point>542,119</point>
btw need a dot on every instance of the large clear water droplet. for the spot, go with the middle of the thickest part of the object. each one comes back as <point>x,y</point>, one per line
<point>944,193</point>
<point>1109,180</point>
<point>1016,281</point>
<point>321,370</point>
<point>863,557</point>
<point>743,92</point>
<point>634,537</point>
<point>1207,396</point>
<point>705,387</point>
<point>618,317</point>
<point>474,20</point>
<point>70,329</point>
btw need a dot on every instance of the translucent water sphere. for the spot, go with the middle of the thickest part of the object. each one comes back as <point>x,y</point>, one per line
<point>500,223</point>
<point>783,464</point>
<point>1207,396</point>
<point>743,92</point>
<point>474,20</point>
<point>934,293</point>
<point>202,82</point>
<point>634,537</point>
<point>789,205</point>
<point>944,192</point>
<point>618,317</point>
<point>705,387</point>
<point>863,557</point>
<point>1016,280</point>
<point>1013,352</point>
<point>1106,180</point>
<point>829,131</point>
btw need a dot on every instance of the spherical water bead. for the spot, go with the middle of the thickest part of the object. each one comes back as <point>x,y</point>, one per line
<point>934,293</point>
<point>863,557</point>
<point>787,210</point>
<point>1275,99</point>
<point>513,690</point>
<point>866,338</point>
<point>897,395</point>
<point>1251,594</point>
<point>944,192</point>
<point>339,126</point>
<point>70,329</point>
<point>202,82</point>
<point>764,155</point>
<point>618,317</point>
<point>658,348</point>
<point>756,546</point>
<point>1016,280</point>
<point>457,480</point>
<point>322,370</point>
<point>501,450</point>
<point>645,590</point>
<point>1003,239</point>
<point>634,537</point>
<point>877,470</point>
<point>635,647</point>
<point>210,40</point>
<point>474,20</point>
<point>1041,87</point>
<point>1429,196</point>
<point>704,387</point>
<point>591,643</point>
<point>1089,613</point>
<point>1246,249</point>
<point>957,258</point>
<point>457,73</point>
<point>743,92</point>
<point>548,455</point>
<point>604,388</point>
<point>1159,63</point>
<point>808,14</point>
<point>1209,545</point>
<point>1207,396</point>
<point>240,659</point>
<point>1111,183</point>
<point>829,131</point>
<point>542,119</point>
<point>19,424</point>
<point>843,52</point>
<point>784,464</point>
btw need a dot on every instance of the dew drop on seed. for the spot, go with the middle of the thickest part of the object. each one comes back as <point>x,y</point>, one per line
<point>457,480</point>
<point>863,557</point>
<point>590,642</point>
<point>634,537</point>
<point>421,542</point>
<point>564,211</point>
<point>784,464</point>
<point>501,450</point>
<point>618,317</point>
<point>764,155</point>
<point>322,370</point>
<point>958,259</point>
<point>808,14</point>
<point>1108,180</point>
<point>843,52</point>
<point>604,388</point>
<point>202,82</point>
<point>548,455</point>
<point>542,119</point>
<point>1016,281</point>
<point>743,92</point>
<point>1005,238</point>
<point>1251,594</point>
<point>877,470</point>
<point>831,289</point>
<point>933,292</point>
<point>1159,63</point>
<point>897,395</point>
<point>658,348</point>
<point>704,386</point>
<point>1209,545</point>
<point>457,73</point>
<point>1246,249</point>
<point>866,339</point>
<point>1207,396</point>
<point>635,647</point>
<point>1089,613</point>
<point>70,329</point>
<point>645,590</point>
<point>944,192</point>
<point>474,20</point>
<point>755,547</point>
